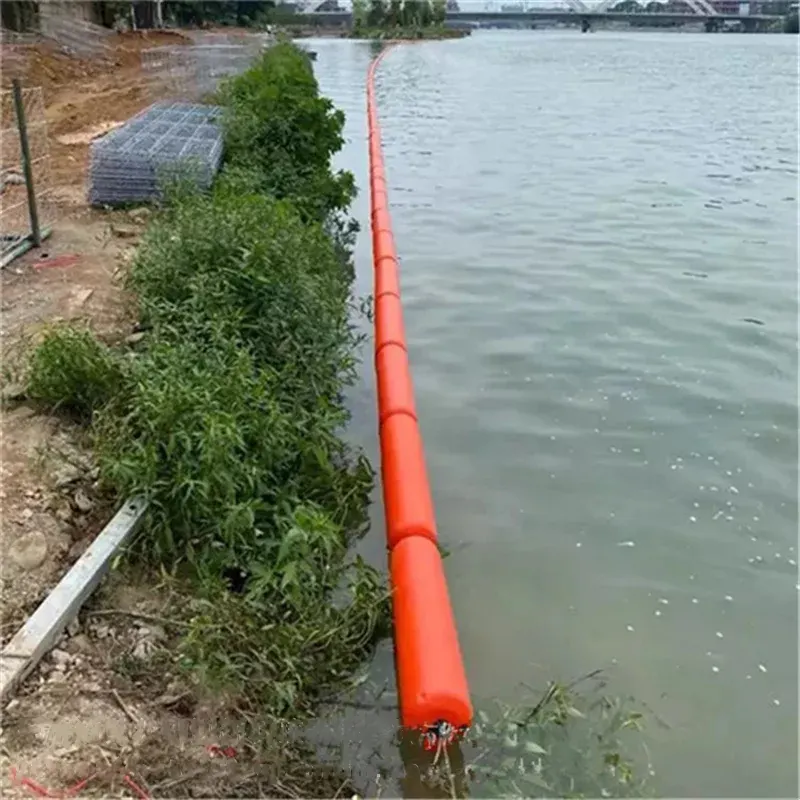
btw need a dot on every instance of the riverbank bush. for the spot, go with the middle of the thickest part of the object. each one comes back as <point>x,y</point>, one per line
<point>280,134</point>
<point>402,19</point>
<point>227,416</point>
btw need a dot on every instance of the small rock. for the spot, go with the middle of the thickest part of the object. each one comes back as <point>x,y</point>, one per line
<point>13,178</point>
<point>83,502</point>
<point>154,632</point>
<point>66,474</point>
<point>29,551</point>
<point>124,231</point>
<point>12,704</point>
<point>73,627</point>
<point>82,296</point>
<point>64,514</point>
<point>57,676</point>
<point>78,549</point>
<point>27,513</point>
<point>139,214</point>
<point>102,631</point>
<point>134,338</point>
<point>60,658</point>
<point>80,643</point>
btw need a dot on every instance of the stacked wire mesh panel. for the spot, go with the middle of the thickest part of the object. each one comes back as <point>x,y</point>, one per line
<point>165,142</point>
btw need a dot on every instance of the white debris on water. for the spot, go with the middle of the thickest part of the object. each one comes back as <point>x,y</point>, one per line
<point>715,669</point>
<point>762,668</point>
<point>719,634</point>
<point>626,544</point>
<point>729,598</point>
<point>629,628</point>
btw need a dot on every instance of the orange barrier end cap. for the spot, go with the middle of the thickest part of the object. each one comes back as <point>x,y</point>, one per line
<point>430,672</point>
<point>407,499</point>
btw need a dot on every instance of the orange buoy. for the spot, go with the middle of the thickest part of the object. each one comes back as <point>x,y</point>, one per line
<point>387,279</point>
<point>382,239</point>
<point>407,501</point>
<point>389,328</point>
<point>395,390</point>
<point>430,672</point>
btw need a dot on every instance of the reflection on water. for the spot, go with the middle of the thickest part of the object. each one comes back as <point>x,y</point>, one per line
<point>597,236</point>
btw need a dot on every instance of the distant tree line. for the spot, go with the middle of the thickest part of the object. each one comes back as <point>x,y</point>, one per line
<point>390,14</point>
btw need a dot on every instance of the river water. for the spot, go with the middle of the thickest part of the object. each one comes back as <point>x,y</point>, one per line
<point>598,236</point>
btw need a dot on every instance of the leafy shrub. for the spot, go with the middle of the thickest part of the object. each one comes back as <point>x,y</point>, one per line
<point>283,134</point>
<point>250,267</point>
<point>204,437</point>
<point>309,644</point>
<point>74,372</point>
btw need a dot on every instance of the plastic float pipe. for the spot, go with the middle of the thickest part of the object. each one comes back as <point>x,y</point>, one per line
<point>395,391</point>
<point>430,672</point>
<point>389,328</point>
<point>432,684</point>
<point>407,501</point>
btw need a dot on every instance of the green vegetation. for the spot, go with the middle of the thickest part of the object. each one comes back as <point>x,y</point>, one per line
<point>226,416</point>
<point>401,19</point>
<point>565,744</point>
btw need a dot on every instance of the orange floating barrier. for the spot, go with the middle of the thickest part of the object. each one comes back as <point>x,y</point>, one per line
<point>395,390</point>
<point>389,328</point>
<point>382,239</point>
<point>407,500</point>
<point>434,697</point>
<point>387,280</point>
<point>430,672</point>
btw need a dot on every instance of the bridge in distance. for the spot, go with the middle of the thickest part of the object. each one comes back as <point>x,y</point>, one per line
<point>578,12</point>
<point>566,14</point>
